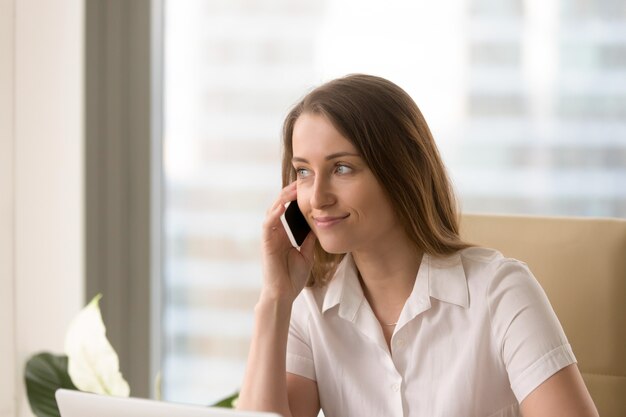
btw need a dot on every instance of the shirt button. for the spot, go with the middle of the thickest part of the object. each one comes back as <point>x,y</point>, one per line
<point>395,387</point>
<point>400,343</point>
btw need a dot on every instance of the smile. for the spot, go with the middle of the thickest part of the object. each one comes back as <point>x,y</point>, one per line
<point>328,221</point>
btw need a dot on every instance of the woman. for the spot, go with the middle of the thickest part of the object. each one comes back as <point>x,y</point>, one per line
<point>384,310</point>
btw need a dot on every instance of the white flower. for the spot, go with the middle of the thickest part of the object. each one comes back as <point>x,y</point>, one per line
<point>93,364</point>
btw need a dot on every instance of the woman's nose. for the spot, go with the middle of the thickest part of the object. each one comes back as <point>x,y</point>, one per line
<point>322,195</point>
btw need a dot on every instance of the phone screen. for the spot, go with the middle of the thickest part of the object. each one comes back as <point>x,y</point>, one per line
<point>295,224</point>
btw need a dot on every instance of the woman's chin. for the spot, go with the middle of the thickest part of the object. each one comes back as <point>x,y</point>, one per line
<point>334,247</point>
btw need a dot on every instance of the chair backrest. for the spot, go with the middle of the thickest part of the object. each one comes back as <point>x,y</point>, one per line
<point>581,264</point>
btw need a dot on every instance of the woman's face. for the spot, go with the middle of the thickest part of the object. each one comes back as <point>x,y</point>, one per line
<point>341,199</point>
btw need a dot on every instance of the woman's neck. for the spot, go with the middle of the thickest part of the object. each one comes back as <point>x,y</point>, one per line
<point>387,277</point>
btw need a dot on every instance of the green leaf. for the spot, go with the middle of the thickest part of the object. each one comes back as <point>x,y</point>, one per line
<point>44,374</point>
<point>93,363</point>
<point>228,402</point>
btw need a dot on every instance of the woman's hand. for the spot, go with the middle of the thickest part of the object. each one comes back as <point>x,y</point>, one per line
<point>285,272</point>
<point>285,269</point>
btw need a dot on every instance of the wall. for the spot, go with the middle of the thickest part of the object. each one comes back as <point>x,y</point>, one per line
<point>7,334</point>
<point>41,167</point>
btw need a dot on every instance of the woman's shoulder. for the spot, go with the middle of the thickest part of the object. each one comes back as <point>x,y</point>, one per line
<point>488,259</point>
<point>490,270</point>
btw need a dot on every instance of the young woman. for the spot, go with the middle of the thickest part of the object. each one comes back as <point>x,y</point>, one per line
<point>384,310</point>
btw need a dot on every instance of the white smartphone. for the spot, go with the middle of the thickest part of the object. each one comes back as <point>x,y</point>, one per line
<point>295,224</point>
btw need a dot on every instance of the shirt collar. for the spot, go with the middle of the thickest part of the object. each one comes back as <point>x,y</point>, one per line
<point>442,278</point>
<point>447,281</point>
<point>344,289</point>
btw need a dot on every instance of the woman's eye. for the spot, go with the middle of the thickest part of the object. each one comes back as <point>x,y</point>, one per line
<point>302,172</point>
<point>343,169</point>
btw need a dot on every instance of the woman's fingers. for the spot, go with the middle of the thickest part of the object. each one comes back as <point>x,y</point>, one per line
<point>286,195</point>
<point>272,223</point>
<point>274,214</point>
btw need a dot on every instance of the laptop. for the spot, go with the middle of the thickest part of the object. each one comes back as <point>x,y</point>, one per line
<point>82,404</point>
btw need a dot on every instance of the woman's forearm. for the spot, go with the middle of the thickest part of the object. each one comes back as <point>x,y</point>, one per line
<point>264,385</point>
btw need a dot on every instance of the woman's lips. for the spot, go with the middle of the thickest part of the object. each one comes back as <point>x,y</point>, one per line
<point>323,222</point>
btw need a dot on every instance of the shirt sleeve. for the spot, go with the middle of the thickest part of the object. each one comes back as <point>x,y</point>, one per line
<point>299,353</point>
<point>531,340</point>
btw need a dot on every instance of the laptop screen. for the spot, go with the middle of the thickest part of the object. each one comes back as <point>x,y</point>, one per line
<point>81,404</point>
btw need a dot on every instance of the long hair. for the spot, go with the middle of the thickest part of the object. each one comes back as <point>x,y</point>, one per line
<point>387,128</point>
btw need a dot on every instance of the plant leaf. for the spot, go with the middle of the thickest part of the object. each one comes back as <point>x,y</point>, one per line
<point>228,402</point>
<point>44,374</point>
<point>93,364</point>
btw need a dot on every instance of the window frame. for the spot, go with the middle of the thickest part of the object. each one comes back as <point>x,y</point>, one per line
<point>123,180</point>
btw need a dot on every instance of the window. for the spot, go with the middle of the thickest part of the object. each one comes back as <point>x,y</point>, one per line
<point>526,100</point>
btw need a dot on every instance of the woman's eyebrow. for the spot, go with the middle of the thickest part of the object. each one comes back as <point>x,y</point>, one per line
<point>328,157</point>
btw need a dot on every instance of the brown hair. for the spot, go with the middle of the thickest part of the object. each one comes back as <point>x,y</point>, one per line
<point>388,129</point>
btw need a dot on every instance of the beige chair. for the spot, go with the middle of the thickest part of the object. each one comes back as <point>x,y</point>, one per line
<point>581,264</point>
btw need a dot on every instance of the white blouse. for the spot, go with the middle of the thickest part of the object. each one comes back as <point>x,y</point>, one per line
<point>475,337</point>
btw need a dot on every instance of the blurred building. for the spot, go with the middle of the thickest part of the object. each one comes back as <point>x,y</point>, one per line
<point>546,109</point>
